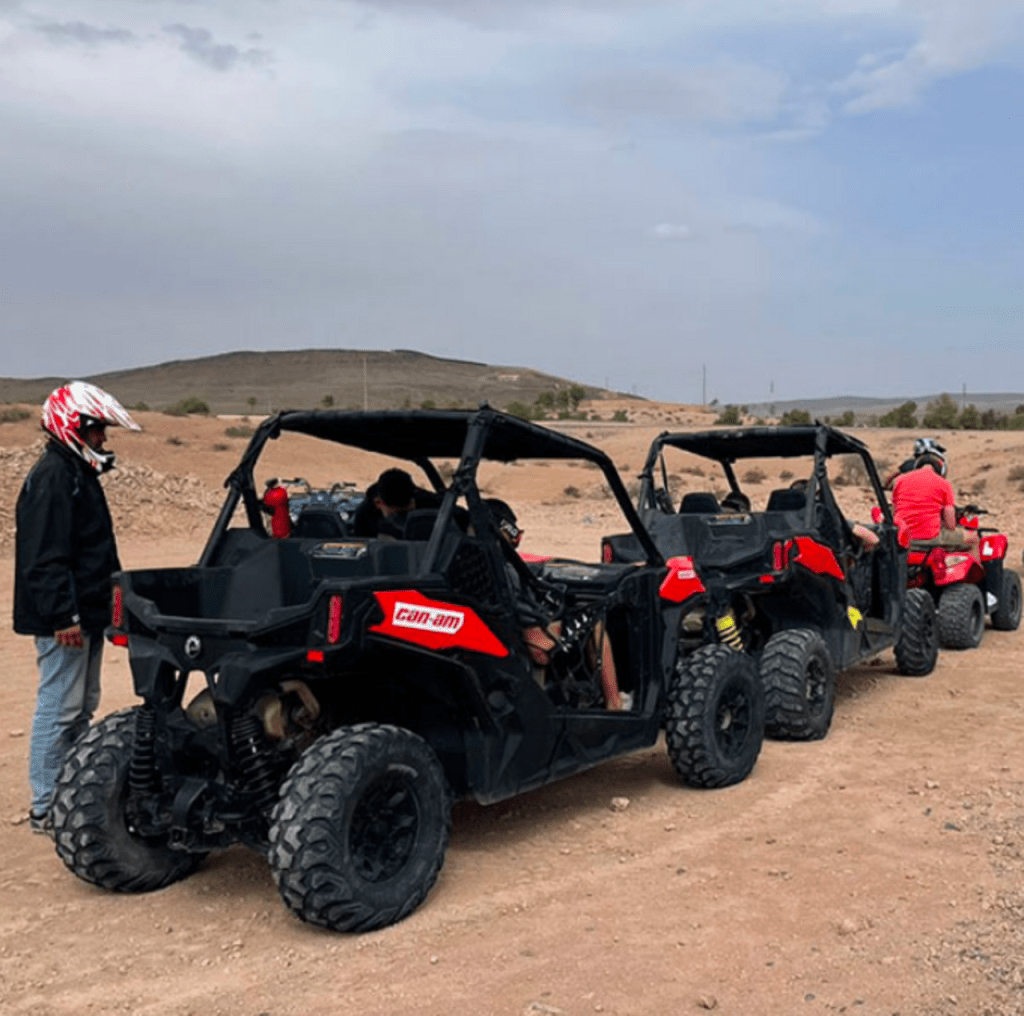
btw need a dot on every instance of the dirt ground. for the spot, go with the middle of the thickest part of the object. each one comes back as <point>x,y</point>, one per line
<point>875,873</point>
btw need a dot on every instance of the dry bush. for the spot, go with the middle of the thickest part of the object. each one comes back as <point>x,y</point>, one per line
<point>786,474</point>
<point>572,491</point>
<point>851,472</point>
<point>177,441</point>
<point>692,470</point>
<point>755,475</point>
<point>978,486</point>
<point>221,447</point>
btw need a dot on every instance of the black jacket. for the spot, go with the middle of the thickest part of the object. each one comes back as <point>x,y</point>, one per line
<point>65,551</point>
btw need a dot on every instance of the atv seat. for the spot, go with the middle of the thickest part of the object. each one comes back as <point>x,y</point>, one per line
<point>699,502</point>
<point>319,523</point>
<point>786,500</point>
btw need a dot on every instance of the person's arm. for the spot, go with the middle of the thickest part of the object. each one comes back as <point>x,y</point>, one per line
<point>45,522</point>
<point>948,516</point>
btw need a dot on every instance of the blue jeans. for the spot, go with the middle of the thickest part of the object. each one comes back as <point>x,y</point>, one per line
<point>69,692</point>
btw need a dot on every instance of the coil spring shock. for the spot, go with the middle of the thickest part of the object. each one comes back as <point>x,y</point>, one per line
<point>259,773</point>
<point>728,633</point>
<point>142,775</point>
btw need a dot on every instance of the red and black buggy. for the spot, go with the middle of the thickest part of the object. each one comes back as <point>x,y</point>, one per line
<point>789,583</point>
<point>325,698</point>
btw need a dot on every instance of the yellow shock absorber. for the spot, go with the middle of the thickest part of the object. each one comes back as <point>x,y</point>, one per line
<point>728,633</point>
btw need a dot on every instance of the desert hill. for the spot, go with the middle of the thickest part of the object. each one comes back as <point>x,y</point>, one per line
<point>260,382</point>
<point>243,382</point>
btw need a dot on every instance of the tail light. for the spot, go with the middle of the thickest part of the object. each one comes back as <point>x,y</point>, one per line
<point>778,556</point>
<point>607,554</point>
<point>335,606</point>
<point>117,613</point>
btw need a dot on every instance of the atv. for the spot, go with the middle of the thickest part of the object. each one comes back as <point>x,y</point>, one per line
<point>324,700</point>
<point>792,584</point>
<point>298,509</point>
<point>965,587</point>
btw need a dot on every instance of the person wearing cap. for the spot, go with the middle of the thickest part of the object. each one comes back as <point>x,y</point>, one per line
<point>65,554</point>
<point>541,640</point>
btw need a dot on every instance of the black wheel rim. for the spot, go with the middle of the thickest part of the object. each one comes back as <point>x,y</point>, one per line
<point>1014,606</point>
<point>733,720</point>
<point>816,686</point>
<point>382,835</point>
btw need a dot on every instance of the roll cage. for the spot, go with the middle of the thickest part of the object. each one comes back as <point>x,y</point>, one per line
<point>420,436</point>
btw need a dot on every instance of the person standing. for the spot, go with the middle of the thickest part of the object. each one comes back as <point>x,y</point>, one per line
<point>65,555</point>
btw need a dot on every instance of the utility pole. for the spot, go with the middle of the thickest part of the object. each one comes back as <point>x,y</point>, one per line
<point>963,400</point>
<point>704,386</point>
<point>366,396</point>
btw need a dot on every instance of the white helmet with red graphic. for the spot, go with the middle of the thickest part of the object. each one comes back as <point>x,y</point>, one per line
<point>75,407</point>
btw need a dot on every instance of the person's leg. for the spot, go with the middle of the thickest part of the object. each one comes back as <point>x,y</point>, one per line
<point>609,675</point>
<point>64,691</point>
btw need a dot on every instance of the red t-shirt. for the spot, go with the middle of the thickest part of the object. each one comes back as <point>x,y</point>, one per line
<point>918,498</point>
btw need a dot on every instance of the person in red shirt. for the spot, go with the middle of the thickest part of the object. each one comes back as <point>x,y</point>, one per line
<point>924,506</point>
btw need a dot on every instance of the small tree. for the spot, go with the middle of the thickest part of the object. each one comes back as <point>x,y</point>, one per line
<point>795,417</point>
<point>577,393</point>
<point>251,402</point>
<point>327,401</point>
<point>940,414</point>
<point>969,418</point>
<point>729,417</point>
<point>520,409</point>
<point>846,420</point>
<point>901,416</point>
<point>546,400</point>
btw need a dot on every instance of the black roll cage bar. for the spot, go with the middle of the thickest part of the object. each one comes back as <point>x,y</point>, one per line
<point>471,436</point>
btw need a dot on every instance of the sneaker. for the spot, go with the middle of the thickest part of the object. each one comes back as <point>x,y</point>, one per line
<point>625,701</point>
<point>40,823</point>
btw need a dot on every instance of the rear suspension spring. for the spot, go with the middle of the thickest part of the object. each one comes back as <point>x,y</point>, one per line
<point>142,774</point>
<point>259,772</point>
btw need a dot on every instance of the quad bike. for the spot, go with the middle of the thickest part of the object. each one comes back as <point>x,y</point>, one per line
<point>965,588</point>
<point>307,511</point>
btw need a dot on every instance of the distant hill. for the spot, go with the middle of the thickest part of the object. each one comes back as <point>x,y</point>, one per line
<point>866,409</point>
<point>245,382</point>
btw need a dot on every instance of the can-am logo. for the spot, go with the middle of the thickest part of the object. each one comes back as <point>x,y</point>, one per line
<point>412,615</point>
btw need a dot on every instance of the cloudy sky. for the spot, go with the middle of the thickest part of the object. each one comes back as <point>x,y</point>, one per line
<point>812,197</point>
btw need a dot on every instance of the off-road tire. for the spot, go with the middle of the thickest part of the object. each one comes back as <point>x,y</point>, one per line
<point>1006,616</point>
<point>91,829</point>
<point>799,680</point>
<point>715,717</point>
<point>961,616</point>
<point>918,647</point>
<point>358,835</point>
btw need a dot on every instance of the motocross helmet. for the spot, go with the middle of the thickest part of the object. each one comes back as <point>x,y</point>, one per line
<point>926,445</point>
<point>78,405</point>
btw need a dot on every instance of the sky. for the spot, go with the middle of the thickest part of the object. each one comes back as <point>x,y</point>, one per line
<point>684,199</point>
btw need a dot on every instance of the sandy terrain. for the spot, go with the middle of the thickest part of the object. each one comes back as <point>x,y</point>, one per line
<point>877,872</point>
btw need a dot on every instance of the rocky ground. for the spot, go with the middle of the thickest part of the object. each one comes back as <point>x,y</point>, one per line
<point>877,872</point>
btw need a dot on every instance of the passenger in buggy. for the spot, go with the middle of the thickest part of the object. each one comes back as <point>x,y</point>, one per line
<point>545,638</point>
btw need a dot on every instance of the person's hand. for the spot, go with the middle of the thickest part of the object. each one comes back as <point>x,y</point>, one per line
<point>71,637</point>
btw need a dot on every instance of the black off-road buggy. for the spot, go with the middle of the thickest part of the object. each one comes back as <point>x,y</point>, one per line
<point>790,584</point>
<point>349,689</point>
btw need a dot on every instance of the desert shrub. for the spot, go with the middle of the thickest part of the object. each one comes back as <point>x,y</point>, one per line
<point>12,414</point>
<point>795,417</point>
<point>190,406</point>
<point>978,486</point>
<point>572,491</point>
<point>755,475</point>
<point>140,407</point>
<point>940,414</point>
<point>692,470</point>
<point>619,416</point>
<point>520,409</point>
<point>851,472</point>
<point>786,474</point>
<point>729,417</point>
<point>969,418</point>
<point>221,447</point>
<point>177,441</point>
<point>428,404</point>
<point>901,416</point>
<point>239,431</point>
